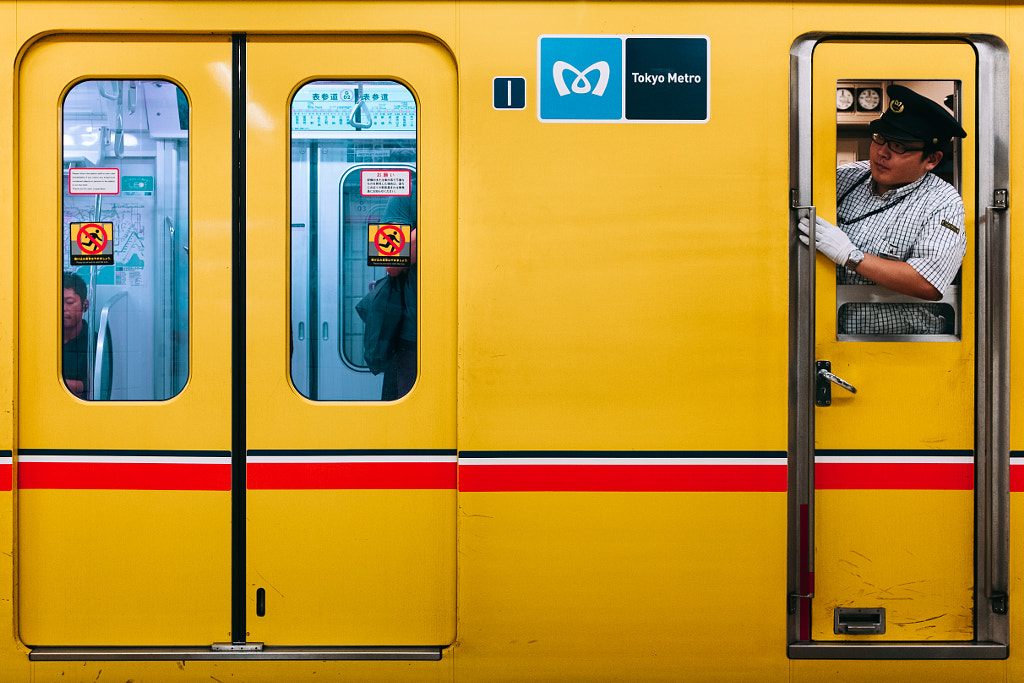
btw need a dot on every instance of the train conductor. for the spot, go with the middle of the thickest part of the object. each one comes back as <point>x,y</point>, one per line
<point>899,225</point>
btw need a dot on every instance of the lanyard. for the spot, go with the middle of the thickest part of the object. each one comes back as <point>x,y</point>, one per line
<point>867,174</point>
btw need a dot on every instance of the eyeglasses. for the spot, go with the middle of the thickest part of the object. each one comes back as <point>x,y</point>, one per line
<point>896,146</point>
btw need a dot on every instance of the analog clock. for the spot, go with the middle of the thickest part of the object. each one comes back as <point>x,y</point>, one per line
<point>869,99</point>
<point>844,99</point>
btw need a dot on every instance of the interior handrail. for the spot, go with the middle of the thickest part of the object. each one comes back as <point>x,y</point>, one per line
<point>101,340</point>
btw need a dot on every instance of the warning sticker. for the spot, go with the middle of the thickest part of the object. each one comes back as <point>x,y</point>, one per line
<point>93,180</point>
<point>385,182</point>
<point>389,245</point>
<point>92,244</point>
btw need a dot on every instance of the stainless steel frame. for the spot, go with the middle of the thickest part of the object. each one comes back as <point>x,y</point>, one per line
<point>992,451</point>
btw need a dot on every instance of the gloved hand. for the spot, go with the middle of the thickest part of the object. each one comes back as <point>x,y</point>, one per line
<point>830,240</point>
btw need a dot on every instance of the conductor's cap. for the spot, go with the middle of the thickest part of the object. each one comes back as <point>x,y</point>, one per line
<point>911,116</point>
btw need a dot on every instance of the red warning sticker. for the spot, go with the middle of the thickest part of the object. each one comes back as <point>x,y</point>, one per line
<point>92,244</point>
<point>389,245</point>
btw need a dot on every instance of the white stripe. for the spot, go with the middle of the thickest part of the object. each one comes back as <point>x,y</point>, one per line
<point>897,459</point>
<point>225,460</point>
<point>265,459</point>
<point>169,460</point>
<point>622,461</point>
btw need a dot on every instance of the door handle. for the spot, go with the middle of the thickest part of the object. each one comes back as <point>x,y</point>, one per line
<point>824,379</point>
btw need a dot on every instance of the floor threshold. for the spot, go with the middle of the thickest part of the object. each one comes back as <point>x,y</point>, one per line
<point>270,653</point>
<point>899,650</point>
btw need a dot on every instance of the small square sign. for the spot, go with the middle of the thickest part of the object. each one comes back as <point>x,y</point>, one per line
<point>509,93</point>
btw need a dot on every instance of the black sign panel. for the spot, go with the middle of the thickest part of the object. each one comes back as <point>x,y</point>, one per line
<point>667,79</point>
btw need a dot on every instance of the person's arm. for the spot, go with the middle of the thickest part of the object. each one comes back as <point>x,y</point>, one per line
<point>898,276</point>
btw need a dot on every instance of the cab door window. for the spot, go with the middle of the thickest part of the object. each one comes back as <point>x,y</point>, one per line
<point>866,311</point>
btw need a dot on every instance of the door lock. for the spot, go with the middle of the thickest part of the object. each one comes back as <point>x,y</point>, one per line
<point>824,379</point>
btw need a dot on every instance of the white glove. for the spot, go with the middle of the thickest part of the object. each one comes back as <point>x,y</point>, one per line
<point>830,240</point>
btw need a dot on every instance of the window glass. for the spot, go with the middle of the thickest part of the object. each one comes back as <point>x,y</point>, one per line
<point>353,240</point>
<point>895,224</point>
<point>125,240</point>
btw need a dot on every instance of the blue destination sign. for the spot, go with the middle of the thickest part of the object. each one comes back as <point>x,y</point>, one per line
<point>623,79</point>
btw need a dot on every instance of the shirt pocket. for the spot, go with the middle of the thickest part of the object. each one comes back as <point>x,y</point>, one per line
<point>893,246</point>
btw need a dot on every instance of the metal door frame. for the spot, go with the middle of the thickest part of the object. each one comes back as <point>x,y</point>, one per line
<point>992,377</point>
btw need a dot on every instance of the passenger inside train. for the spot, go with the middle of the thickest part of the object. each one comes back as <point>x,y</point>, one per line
<point>400,372</point>
<point>75,364</point>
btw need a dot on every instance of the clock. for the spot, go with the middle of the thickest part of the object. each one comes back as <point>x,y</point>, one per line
<point>844,99</point>
<point>869,99</point>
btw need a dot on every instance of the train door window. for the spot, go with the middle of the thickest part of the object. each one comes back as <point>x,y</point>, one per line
<point>125,240</point>
<point>353,240</point>
<point>866,311</point>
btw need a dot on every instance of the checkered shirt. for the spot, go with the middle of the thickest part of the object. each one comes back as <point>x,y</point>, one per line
<point>922,224</point>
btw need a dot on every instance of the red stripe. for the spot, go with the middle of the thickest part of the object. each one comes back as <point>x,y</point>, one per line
<point>1016,477</point>
<point>931,476</point>
<point>124,476</point>
<point>6,477</point>
<point>624,478</point>
<point>351,475</point>
<point>492,478</point>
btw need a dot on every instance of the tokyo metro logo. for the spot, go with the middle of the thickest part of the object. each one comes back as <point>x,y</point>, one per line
<point>581,84</point>
<point>623,79</point>
<point>580,78</point>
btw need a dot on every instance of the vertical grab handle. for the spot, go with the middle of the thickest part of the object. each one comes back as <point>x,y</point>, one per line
<point>804,445</point>
<point>808,296</point>
<point>997,277</point>
<point>812,218</point>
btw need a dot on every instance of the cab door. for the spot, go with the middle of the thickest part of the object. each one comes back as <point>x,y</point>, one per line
<point>892,500</point>
<point>894,462</point>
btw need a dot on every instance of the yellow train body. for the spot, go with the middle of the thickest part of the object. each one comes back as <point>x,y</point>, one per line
<point>592,479</point>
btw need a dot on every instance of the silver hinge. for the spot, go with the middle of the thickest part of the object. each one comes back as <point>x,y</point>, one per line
<point>1000,199</point>
<point>237,647</point>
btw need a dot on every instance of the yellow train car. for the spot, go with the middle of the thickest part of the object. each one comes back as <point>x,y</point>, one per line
<point>600,419</point>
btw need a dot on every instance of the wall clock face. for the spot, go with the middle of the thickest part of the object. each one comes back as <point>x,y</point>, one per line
<point>844,99</point>
<point>869,99</point>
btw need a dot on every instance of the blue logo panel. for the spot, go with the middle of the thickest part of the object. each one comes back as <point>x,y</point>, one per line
<point>580,78</point>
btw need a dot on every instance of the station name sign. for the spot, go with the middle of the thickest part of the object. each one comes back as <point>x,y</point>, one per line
<point>623,79</point>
